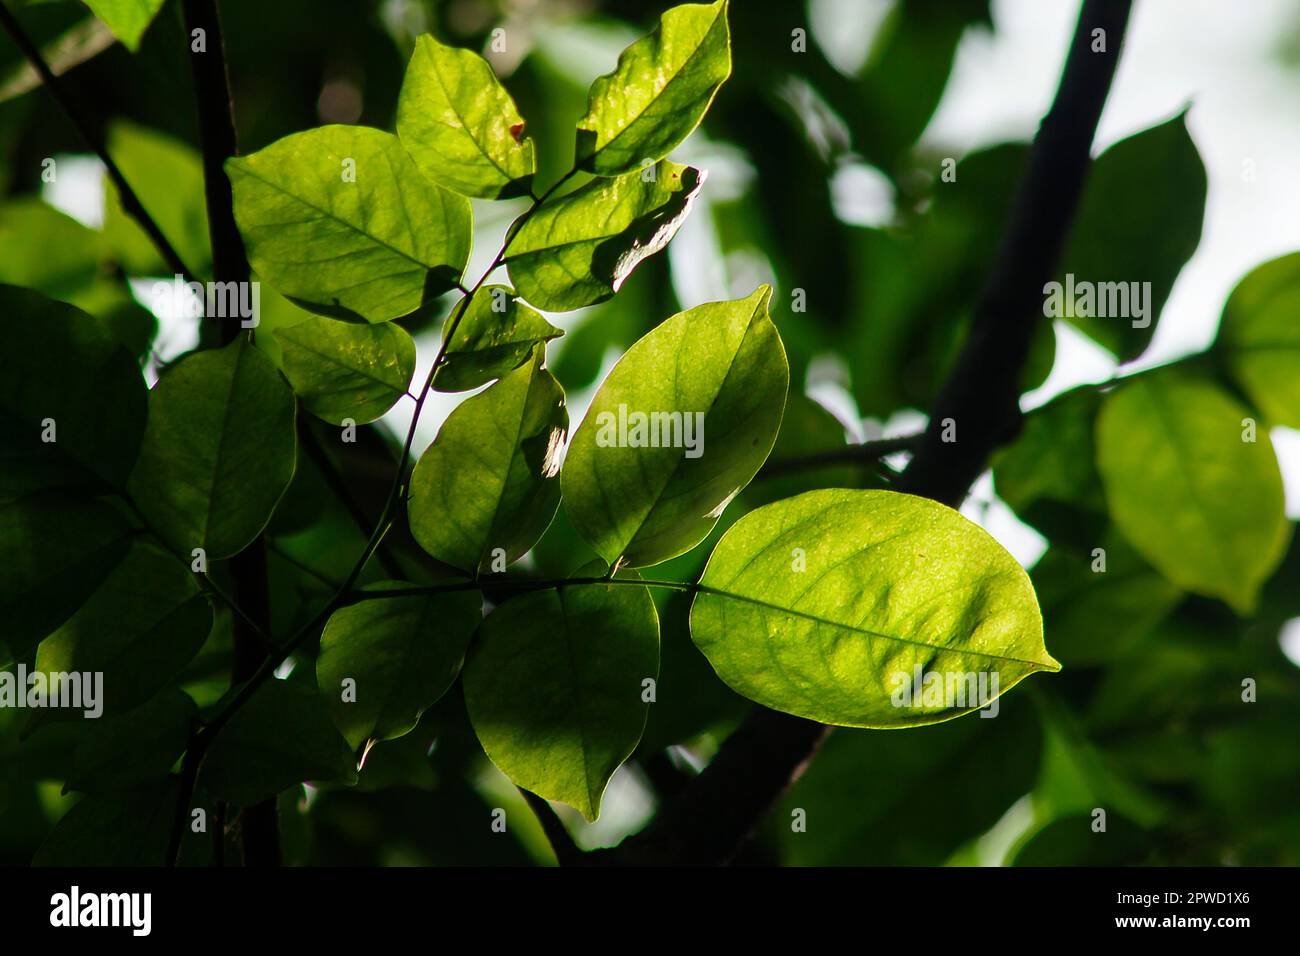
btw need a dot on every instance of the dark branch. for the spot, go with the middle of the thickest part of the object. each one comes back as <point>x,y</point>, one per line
<point>860,454</point>
<point>566,851</point>
<point>218,141</point>
<point>258,825</point>
<point>982,394</point>
<point>721,808</point>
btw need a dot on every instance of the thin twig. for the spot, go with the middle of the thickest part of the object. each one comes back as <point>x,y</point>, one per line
<point>94,139</point>
<point>859,454</point>
<point>567,853</point>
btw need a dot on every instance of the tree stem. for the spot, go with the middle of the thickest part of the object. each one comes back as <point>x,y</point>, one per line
<point>259,824</point>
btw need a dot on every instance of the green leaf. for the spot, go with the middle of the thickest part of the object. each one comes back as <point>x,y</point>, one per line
<point>340,218</point>
<point>126,828</point>
<point>166,175</point>
<point>579,249</point>
<point>128,19</point>
<point>282,737</point>
<point>1095,609</point>
<point>401,653</point>
<point>55,551</point>
<point>497,333</point>
<point>1155,176</point>
<point>343,370</point>
<point>44,249</point>
<point>639,503</point>
<point>139,629</point>
<point>490,480</point>
<point>554,687</point>
<point>219,450</point>
<point>1202,505</point>
<point>1072,841</point>
<point>62,368</point>
<point>1260,338</point>
<point>658,93</point>
<point>1052,458</point>
<point>135,748</point>
<point>826,604</point>
<point>461,126</point>
<point>912,799</point>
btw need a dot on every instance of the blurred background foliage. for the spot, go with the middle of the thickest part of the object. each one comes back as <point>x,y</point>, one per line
<point>822,182</point>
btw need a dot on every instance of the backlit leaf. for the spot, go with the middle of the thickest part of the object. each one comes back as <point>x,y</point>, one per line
<point>1204,506</point>
<point>1260,337</point>
<point>490,480</point>
<point>658,93</point>
<point>340,218</point>
<point>682,423</point>
<point>828,605</point>
<point>579,249</point>
<point>128,19</point>
<point>461,126</point>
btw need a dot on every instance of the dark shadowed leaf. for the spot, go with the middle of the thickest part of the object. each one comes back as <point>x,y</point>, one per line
<point>122,828</point>
<point>283,736</point>
<point>55,551</point>
<point>910,799</point>
<point>344,370</point>
<point>219,450</point>
<point>554,687</point>
<point>140,629</point>
<point>1154,177</point>
<point>401,655</point>
<point>72,400</point>
<point>135,748</point>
